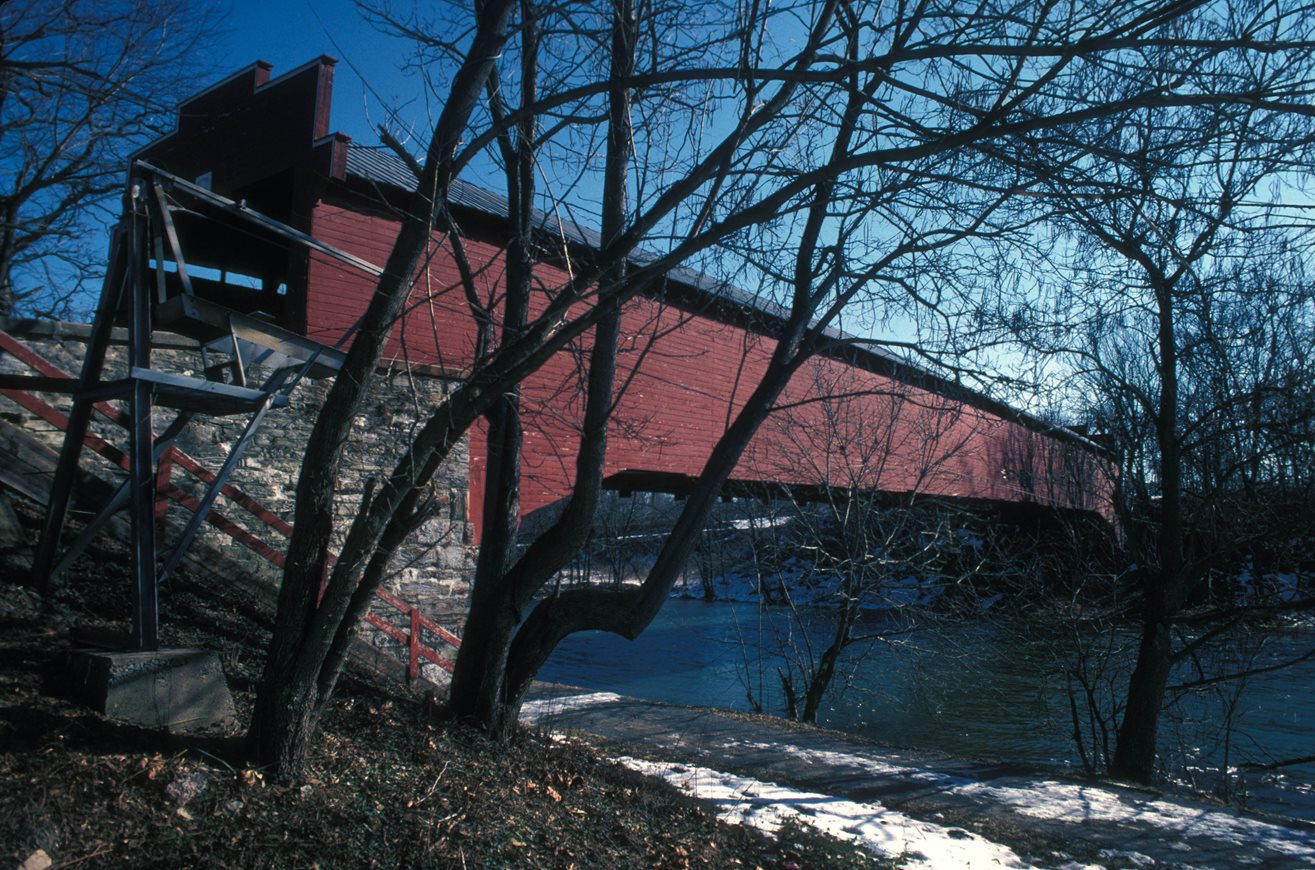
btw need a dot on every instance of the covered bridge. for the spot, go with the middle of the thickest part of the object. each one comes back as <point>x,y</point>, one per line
<point>691,351</point>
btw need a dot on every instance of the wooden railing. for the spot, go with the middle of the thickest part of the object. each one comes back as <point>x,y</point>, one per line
<point>412,636</point>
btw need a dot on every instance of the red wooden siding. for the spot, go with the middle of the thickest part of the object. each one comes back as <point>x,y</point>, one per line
<point>694,373</point>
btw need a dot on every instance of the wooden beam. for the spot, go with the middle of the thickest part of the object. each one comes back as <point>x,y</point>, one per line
<point>278,228</point>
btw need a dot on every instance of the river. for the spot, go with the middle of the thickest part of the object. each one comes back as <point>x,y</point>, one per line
<point>989,691</point>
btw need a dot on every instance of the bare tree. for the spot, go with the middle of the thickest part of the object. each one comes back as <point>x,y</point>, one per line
<point>860,132</point>
<point>306,654</point>
<point>870,454</point>
<point>1157,236</point>
<point>83,83</point>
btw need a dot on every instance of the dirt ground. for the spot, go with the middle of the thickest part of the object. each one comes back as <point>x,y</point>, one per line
<point>391,784</point>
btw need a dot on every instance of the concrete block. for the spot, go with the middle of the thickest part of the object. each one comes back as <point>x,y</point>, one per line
<point>175,689</point>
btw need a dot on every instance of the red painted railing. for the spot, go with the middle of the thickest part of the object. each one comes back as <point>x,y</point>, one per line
<point>412,636</point>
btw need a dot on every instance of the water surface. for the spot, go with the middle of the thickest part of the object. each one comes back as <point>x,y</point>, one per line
<point>993,691</point>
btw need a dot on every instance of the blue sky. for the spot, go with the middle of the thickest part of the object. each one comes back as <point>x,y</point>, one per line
<point>289,33</point>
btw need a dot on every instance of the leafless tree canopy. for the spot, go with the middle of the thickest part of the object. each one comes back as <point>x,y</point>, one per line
<point>1172,289</point>
<point>847,154</point>
<point>82,84</point>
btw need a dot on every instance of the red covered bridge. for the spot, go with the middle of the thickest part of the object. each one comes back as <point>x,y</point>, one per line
<point>855,417</point>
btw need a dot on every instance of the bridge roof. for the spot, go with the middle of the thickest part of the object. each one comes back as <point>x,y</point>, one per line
<point>378,167</point>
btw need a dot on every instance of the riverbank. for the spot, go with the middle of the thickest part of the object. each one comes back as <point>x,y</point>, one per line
<point>924,809</point>
<point>389,786</point>
<point>988,689</point>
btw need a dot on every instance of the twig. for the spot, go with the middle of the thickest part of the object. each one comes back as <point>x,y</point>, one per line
<point>213,757</point>
<point>1275,765</point>
<point>101,851</point>
<point>429,793</point>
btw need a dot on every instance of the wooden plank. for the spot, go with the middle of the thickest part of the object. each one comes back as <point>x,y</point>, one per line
<point>37,383</point>
<point>196,394</point>
<point>400,636</point>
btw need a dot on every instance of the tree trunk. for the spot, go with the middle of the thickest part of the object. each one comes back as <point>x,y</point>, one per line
<point>285,718</point>
<point>283,730</point>
<point>826,665</point>
<point>1135,749</point>
<point>477,687</point>
<point>479,691</point>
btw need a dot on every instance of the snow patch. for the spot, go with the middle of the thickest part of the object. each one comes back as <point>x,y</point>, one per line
<point>542,708</point>
<point>858,762</point>
<point>767,806</point>
<point>1076,803</point>
<point>760,523</point>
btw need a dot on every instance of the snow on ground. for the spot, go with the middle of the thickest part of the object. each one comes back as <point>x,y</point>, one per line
<point>858,762</point>
<point>539,708</point>
<point>767,806</point>
<point>1077,803</point>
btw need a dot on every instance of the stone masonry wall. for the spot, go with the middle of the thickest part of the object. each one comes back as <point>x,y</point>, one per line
<point>433,569</point>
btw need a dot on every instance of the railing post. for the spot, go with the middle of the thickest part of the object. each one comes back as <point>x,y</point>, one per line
<point>413,647</point>
<point>163,479</point>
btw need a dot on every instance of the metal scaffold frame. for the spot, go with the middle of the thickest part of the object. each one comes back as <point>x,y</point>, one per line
<point>140,292</point>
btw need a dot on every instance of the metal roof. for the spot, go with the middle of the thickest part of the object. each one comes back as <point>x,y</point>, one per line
<point>381,167</point>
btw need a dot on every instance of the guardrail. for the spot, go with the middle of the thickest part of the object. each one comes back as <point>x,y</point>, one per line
<point>417,624</point>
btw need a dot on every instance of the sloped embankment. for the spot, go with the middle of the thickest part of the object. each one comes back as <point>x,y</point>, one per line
<point>390,784</point>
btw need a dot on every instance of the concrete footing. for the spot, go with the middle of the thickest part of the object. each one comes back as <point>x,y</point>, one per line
<point>174,689</point>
